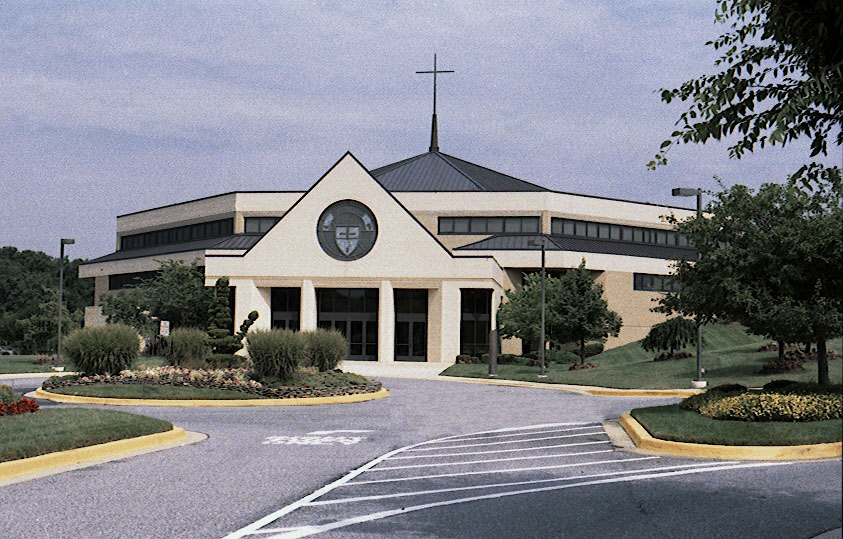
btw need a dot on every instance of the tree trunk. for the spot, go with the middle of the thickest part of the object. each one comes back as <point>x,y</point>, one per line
<point>807,349</point>
<point>822,364</point>
<point>582,351</point>
<point>780,344</point>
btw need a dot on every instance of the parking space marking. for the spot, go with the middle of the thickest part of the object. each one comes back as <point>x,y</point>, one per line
<point>321,514</point>
<point>486,452</point>
<point>500,485</point>
<point>503,470</point>
<point>497,443</point>
<point>463,463</point>
<point>404,510</point>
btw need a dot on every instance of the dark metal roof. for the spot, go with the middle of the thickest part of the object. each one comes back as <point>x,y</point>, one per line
<point>520,242</point>
<point>436,171</point>
<point>235,241</point>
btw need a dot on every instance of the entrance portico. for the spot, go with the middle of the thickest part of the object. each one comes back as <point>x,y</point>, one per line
<point>363,265</point>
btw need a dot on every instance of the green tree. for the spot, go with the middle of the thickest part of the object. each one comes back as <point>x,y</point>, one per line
<point>178,294</point>
<point>672,334</point>
<point>780,78</point>
<point>770,260</point>
<point>130,307</point>
<point>39,330</point>
<point>574,305</point>
<point>220,323</point>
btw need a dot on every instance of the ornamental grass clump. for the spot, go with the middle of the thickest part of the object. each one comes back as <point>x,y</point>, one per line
<point>188,348</point>
<point>102,350</point>
<point>276,352</point>
<point>325,348</point>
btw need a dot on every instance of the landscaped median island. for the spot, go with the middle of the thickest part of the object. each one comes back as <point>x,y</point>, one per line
<point>730,355</point>
<point>282,367</point>
<point>783,413</point>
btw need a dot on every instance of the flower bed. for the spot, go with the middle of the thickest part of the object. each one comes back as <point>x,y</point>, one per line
<point>22,406</point>
<point>230,379</point>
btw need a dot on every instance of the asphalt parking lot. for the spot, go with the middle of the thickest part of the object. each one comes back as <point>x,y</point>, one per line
<point>435,459</point>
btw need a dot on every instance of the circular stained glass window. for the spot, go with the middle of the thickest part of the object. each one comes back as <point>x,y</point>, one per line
<point>347,230</point>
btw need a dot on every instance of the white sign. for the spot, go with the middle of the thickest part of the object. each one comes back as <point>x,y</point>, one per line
<point>164,329</point>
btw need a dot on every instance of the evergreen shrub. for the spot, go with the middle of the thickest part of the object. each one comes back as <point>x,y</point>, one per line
<point>188,348</point>
<point>105,349</point>
<point>276,352</point>
<point>224,361</point>
<point>325,348</point>
<point>8,395</point>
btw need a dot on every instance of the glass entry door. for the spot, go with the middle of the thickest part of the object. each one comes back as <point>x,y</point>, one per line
<point>410,325</point>
<point>354,313</point>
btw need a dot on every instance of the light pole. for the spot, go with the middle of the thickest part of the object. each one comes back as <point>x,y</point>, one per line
<point>64,241</point>
<point>697,382</point>
<point>533,243</point>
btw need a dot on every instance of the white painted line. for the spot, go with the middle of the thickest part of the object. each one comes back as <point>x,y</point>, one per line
<point>539,448</point>
<point>504,470</point>
<point>276,530</point>
<point>384,514</point>
<point>334,431</point>
<point>531,457</point>
<point>510,484</point>
<point>598,427</point>
<point>528,440</point>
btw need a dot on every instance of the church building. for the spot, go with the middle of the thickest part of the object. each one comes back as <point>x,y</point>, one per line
<point>410,261</point>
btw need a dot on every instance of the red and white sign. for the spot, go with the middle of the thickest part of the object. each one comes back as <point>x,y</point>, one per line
<point>164,329</point>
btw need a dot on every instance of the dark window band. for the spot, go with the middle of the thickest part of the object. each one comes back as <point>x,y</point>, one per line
<point>179,234</point>
<point>632,234</point>
<point>654,283</point>
<point>488,225</point>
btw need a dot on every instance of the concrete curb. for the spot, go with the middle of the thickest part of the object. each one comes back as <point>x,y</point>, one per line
<point>586,390</point>
<point>72,457</point>
<point>303,401</point>
<point>49,374</point>
<point>643,440</point>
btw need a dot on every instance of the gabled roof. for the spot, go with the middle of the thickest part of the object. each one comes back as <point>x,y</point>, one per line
<point>436,171</point>
<point>521,242</point>
<point>234,241</point>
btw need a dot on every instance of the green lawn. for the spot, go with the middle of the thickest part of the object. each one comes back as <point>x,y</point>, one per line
<point>58,429</point>
<point>674,423</point>
<point>729,356</point>
<point>151,391</point>
<point>19,364</point>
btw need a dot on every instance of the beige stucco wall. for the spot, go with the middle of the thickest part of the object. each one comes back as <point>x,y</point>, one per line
<point>633,306</point>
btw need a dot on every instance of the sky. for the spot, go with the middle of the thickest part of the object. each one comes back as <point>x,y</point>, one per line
<point>108,107</point>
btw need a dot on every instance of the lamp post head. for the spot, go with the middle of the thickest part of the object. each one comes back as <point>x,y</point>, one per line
<point>684,192</point>
<point>68,241</point>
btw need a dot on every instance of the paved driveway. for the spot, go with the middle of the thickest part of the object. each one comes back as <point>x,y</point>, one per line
<point>556,477</point>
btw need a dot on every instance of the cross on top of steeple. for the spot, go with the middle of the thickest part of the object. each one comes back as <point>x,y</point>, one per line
<point>434,135</point>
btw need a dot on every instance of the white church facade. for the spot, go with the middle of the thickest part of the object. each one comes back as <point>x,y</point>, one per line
<point>410,260</point>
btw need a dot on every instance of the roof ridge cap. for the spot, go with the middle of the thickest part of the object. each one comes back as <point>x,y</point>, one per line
<point>444,157</point>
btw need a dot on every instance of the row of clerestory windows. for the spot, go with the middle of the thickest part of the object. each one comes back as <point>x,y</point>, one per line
<point>654,283</point>
<point>179,234</point>
<point>632,234</point>
<point>488,225</point>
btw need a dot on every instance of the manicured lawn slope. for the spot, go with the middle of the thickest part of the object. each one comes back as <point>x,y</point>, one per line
<point>675,424</point>
<point>729,356</point>
<point>18,364</point>
<point>58,429</point>
<point>150,391</point>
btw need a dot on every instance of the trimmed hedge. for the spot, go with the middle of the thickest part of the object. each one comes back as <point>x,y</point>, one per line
<point>276,352</point>
<point>103,349</point>
<point>188,347</point>
<point>325,348</point>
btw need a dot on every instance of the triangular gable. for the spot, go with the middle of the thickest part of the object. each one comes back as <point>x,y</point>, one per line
<point>404,248</point>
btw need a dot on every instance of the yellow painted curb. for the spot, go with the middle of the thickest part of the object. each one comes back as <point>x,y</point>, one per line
<point>643,440</point>
<point>70,457</point>
<point>301,401</point>
<point>590,390</point>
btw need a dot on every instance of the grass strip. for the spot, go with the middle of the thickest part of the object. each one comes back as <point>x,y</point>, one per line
<point>675,424</point>
<point>153,391</point>
<point>58,429</point>
<point>20,364</point>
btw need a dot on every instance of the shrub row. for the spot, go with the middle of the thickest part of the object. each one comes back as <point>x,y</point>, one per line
<point>22,406</point>
<point>279,352</point>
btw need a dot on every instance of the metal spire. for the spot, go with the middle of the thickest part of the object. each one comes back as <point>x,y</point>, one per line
<point>434,132</point>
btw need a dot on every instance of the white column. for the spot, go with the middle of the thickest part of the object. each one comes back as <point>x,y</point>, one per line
<point>248,298</point>
<point>450,322</point>
<point>307,315</point>
<point>386,323</point>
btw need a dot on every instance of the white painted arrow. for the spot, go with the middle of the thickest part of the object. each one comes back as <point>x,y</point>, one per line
<point>334,431</point>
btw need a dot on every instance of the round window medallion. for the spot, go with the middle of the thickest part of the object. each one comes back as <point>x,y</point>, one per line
<point>347,230</point>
